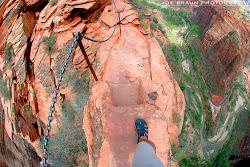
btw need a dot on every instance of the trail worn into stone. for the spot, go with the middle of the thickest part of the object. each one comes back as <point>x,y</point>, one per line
<point>135,81</point>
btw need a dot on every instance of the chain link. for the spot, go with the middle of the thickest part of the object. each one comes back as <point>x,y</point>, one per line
<point>54,99</point>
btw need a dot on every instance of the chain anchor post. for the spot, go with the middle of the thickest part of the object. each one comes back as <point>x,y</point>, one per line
<point>86,56</point>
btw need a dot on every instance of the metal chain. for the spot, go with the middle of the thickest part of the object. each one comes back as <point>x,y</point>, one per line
<point>54,99</point>
<point>94,40</point>
<point>118,19</point>
<point>59,82</point>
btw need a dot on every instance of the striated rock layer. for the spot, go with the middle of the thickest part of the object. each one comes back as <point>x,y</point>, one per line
<point>135,81</point>
<point>15,151</point>
<point>226,34</point>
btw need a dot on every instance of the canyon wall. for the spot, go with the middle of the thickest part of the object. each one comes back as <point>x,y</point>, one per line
<point>226,35</point>
<point>15,151</point>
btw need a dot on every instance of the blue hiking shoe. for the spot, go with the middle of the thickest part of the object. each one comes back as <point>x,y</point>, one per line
<point>141,128</point>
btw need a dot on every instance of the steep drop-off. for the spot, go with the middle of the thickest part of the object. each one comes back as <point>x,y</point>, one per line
<point>226,35</point>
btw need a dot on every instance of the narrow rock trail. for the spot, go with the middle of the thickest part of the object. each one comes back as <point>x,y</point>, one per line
<point>135,81</point>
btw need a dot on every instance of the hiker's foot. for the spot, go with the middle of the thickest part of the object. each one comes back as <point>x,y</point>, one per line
<point>141,128</point>
<point>143,138</point>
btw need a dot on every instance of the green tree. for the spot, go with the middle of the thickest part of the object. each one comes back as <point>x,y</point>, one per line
<point>8,52</point>
<point>4,92</point>
<point>50,43</point>
<point>153,26</point>
<point>52,2</point>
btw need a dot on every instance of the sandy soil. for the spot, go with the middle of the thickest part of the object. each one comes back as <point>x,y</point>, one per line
<point>185,66</point>
<point>239,103</point>
<point>220,135</point>
<point>223,132</point>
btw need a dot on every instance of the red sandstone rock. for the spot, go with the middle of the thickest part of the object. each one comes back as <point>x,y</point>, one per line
<point>10,7</point>
<point>29,22</point>
<point>3,38</point>
<point>109,16</point>
<point>86,6</point>
<point>2,9</point>
<point>77,2</point>
<point>225,32</point>
<point>31,2</point>
<point>131,18</point>
<point>10,15</point>
<point>136,22</point>
<point>126,79</point>
<point>46,13</point>
<point>34,3</point>
<point>127,13</point>
<point>121,6</point>
<point>18,37</point>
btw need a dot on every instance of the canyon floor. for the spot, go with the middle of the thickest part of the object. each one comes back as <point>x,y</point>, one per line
<point>203,134</point>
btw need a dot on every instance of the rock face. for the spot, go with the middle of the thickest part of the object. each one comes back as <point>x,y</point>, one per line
<point>17,123</point>
<point>226,35</point>
<point>134,80</point>
<point>15,151</point>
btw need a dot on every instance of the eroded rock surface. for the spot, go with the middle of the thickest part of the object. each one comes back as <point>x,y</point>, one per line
<point>15,151</point>
<point>226,34</point>
<point>135,81</point>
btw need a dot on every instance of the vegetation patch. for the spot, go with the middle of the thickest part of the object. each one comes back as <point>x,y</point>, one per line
<point>50,43</point>
<point>77,81</point>
<point>70,138</point>
<point>153,26</point>
<point>27,109</point>
<point>176,117</point>
<point>196,32</point>
<point>144,23</point>
<point>182,85</point>
<point>174,53</point>
<point>8,52</point>
<point>231,146</point>
<point>173,17</point>
<point>198,101</point>
<point>141,7</point>
<point>4,90</point>
<point>52,2</point>
<point>209,128</point>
